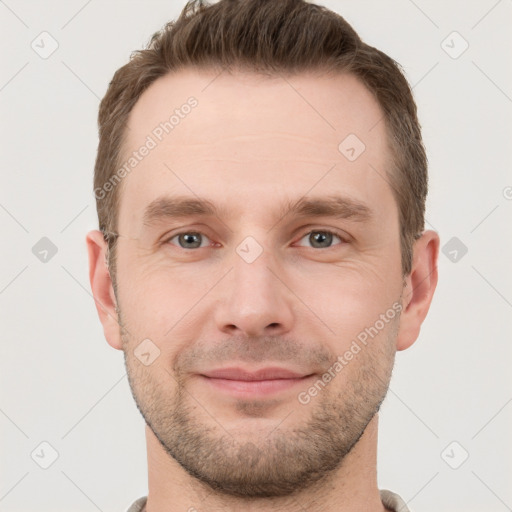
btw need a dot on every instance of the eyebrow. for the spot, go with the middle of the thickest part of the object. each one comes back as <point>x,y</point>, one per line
<point>331,206</point>
<point>177,206</point>
<point>323,206</point>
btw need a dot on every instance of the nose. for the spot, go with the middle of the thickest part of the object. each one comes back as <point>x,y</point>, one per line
<point>254,301</point>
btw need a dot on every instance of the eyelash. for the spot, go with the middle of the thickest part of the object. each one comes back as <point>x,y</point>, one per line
<point>342,238</point>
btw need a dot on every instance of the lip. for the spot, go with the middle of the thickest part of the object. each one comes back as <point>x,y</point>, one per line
<point>270,373</point>
<point>250,384</point>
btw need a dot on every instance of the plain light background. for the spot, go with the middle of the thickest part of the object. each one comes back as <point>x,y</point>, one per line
<point>61,383</point>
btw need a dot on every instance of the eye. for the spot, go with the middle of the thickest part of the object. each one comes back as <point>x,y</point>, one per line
<point>189,240</point>
<point>321,238</point>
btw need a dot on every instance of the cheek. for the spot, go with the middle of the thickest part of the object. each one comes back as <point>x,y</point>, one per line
<point>157,299</point>
<point>142,298</point>
<point>348,301</point>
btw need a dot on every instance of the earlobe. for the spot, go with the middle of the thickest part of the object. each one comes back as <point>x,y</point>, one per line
<point>102,288</point>
<point>419,288</point>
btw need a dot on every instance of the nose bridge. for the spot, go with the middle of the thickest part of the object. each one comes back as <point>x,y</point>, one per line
<point>254,300</point>
<point>252,272</point>
<point>254,285</point>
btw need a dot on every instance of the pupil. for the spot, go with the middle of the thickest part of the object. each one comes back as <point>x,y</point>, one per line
<point>322,237</point>
<point>188,240</point>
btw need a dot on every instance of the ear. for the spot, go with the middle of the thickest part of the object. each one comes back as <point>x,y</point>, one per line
<point>102,288</point>
<point>419,288</point>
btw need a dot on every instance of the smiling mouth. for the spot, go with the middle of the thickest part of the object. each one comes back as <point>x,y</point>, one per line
<point>242,383</point>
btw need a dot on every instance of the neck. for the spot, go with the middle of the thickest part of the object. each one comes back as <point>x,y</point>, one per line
<point>350,488</point>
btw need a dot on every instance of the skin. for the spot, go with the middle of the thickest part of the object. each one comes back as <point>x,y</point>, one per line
<point>251,145</point>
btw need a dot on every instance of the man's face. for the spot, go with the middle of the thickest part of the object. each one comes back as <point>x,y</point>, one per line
<point>258,284</point>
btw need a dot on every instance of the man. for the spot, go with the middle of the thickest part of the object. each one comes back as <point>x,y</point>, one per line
<point>261,185</point>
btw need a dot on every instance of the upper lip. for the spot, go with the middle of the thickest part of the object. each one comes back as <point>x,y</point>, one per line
<point>269,373</point>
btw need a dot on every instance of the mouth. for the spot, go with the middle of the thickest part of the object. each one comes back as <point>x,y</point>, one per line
<point>252,384</point>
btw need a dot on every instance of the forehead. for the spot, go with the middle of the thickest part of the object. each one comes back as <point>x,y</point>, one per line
<point>214,134</point>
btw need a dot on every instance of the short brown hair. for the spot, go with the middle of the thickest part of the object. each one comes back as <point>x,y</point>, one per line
<point>268,37</point>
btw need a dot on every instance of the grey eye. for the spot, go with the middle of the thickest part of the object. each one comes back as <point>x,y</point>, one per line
<point>321,239</point>
<point>189,240</point>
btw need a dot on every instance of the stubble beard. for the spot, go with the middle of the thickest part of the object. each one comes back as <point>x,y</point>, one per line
<point>273,463</point>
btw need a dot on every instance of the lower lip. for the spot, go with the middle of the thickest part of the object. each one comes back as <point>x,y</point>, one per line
<point>255,388</point>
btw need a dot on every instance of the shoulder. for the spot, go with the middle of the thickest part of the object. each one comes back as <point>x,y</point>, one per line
<point>392,501</point>
<point>139,505</point>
